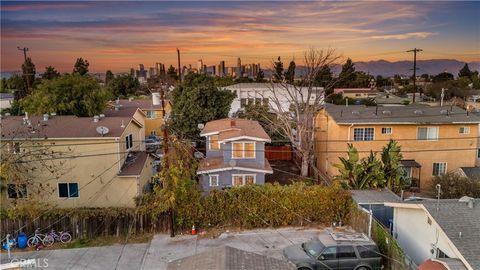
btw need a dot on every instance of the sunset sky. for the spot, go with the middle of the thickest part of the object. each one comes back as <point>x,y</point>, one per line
<point>120,35</point>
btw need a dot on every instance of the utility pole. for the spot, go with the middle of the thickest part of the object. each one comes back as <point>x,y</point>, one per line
<point>165,154</point>
<point>415,50</point>
<point>179,68</point>
<point>25,50</point>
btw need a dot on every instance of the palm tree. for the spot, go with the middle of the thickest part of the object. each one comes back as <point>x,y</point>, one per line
<point>392,168</point>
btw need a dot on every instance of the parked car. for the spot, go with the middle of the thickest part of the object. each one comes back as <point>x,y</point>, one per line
<point>152,143</point>
<point>342,251</point>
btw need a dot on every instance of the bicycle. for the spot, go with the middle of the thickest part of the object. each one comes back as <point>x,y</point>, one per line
<point>52,236</point>
<point>37,238</point>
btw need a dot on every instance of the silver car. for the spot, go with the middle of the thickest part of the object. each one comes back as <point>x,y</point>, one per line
<point>337,251</point>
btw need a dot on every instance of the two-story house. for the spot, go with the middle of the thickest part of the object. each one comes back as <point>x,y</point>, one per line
<point>78,161</point>
<point>433,140</point>
<point>235,154</point>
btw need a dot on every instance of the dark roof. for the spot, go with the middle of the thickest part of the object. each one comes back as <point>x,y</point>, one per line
<point>134,164</point>
<point>410,163</point>
<point>354,90</point>
<point>218,163</point>
<point>234,127</point>
<point>229,258</point>
<point>455,217</point>
<point>375,196</point>
<point>65,126</point>
<point>410,114</point>
<point>471,172</point>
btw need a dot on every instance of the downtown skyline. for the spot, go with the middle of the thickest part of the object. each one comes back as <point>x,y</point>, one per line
<point>120,35</point>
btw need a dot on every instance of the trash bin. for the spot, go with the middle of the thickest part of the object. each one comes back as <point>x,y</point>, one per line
<point>22,240</point>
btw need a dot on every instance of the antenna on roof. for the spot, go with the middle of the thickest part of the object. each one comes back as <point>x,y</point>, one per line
<point>438,187</point>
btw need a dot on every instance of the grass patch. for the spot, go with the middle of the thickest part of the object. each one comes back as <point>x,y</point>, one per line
<point>109,240</point>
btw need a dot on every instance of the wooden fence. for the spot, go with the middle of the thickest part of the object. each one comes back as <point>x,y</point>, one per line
<point>394,257</point>
<point>278,152</point>
<point>87,227</point>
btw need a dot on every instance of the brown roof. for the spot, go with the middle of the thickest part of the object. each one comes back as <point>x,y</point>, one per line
<point>228,128</point>
<point>134,164</point>
<point>217,163</point>
<point>65,126</point>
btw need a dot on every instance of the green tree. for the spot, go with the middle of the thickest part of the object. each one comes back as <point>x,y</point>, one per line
<point>324,78</point>
<point>362,79</point>
<point>50,73</point>
<point>15,84</point>
<point>391,166</point>
<point>260,77</point>
<point>196,101</point>
<point>123,86</point>
<point>67,95</point>
<point>347,77</point>
<point>28,72</point>
<point>172,73</point>
<point>290,73</point>
<point>109,76</point>
<point>465,72</point>
<point>359,173</point>
<point>265,118</point>
<point>81,66</point>
<point>442,77</point>
<point>3,86</point>
<point>278,70</point>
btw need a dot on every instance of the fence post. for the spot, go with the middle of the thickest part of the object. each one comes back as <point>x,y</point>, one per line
<point>370,217</point>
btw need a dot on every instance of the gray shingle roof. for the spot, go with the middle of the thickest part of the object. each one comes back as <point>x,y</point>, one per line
<point>410,114</point>
<point>471,172</point>
<point>229,258</point>
<point>379,196</point>
<point>455,217</point>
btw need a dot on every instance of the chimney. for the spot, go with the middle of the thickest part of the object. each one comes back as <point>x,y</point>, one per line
<point>232,122</point>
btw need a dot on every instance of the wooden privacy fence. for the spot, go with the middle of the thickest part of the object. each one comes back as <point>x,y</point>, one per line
<point>394,257</point>
<point>278,152</point>
<point>87,226</point>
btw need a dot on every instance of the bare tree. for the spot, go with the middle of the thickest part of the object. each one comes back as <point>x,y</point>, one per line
<point>304,100</point>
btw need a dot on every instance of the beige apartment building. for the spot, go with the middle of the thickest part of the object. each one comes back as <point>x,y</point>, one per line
<point>80,161</point>
<point>433,140</point>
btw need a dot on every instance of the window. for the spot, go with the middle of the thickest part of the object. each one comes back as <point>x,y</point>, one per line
<point>129,141</point>
<point>386,130</point>
<point>153,132</point>
<point>478,153</point>
<point>243,150</point>
<point>68,190</point>
<point>439,168</point>
<point>346,252</point>
<point>427,133</point>
<point>464,130</point>
<point>368,251</point>
<point>213,180</point>
<point>151,114</point>
<point>441,254</point>
<point>358,95</point>
<point>243,179</point>
<point>363,134</point>
<point>214,144</point>
<point>243,102</point>
<point>329,253</point>
<point>16,191</point>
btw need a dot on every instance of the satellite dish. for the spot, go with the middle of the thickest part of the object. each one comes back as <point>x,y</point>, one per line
<point>200,126</point>
<point>232,163</point>
<point>102,130</point>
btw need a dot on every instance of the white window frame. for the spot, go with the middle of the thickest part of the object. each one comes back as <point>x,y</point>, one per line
<point>129,141</point>
<point>150,114</point>
<point>243,150</point>
<point>466,130</point>
<point>210,180</point>
<point>428,128</point>
<point>363,136</point>
<point>68,189</point>
<point>244,179</point>
<point>387,133</point>
<point>433,168</point>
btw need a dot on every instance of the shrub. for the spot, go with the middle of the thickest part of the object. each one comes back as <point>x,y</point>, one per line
<point>454,186</point>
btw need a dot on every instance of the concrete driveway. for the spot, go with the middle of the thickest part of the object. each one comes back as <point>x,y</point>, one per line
<point>162,249</point>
